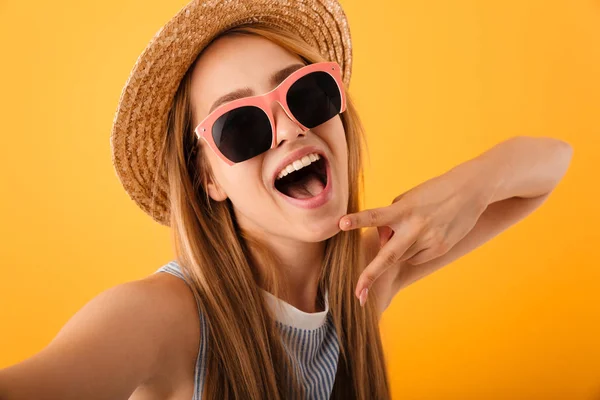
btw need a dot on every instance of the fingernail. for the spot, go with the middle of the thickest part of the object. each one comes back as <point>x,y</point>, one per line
<point>363,296</point>
<point>346,223</point>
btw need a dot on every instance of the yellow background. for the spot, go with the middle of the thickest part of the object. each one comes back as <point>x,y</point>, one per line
<point>436,83</point>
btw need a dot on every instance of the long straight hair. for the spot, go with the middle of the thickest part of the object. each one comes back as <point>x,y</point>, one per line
<point>246,357</point>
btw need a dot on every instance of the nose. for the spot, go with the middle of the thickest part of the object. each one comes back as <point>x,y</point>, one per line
<point>285,127</point>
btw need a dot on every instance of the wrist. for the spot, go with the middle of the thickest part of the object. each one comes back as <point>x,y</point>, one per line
<point>481,179</point>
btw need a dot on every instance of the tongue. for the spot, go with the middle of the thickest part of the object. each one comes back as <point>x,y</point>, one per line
<point>308,187</point>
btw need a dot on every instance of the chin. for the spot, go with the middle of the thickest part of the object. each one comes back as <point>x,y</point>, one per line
<point>320,230</point>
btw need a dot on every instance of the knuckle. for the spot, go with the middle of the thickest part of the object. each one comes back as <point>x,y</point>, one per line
<point>391,257</point>
<point>443,246</point>
<point>437,235</point>
<point>368,279</point>
<point>374,217</point>
<point>408,212</point>
<point>417,219</point>
<point>422,220</point>
<point>429,237</point>
<point>440,236</point>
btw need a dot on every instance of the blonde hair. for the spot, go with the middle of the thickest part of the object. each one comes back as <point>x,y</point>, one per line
<point>247,359</point>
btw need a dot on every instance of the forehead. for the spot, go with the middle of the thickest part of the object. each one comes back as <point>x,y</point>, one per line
<point>233,62</point>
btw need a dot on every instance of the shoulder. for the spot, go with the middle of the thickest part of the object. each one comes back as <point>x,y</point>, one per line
<point>165,305</point>
<point>173,296</point>
<point>160,313</point>
<point>179,317</point>
<point>177,302</point>
<point>116,342</point>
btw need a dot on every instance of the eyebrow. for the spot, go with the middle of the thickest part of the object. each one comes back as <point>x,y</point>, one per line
<point>275,80</point>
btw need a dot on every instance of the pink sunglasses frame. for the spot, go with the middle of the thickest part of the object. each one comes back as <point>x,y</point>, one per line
<point>263,101</point>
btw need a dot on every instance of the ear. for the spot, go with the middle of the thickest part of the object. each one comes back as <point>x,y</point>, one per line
<point>215,191</point>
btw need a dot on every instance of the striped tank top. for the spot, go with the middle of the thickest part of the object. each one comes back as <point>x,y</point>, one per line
<point>309,338</point>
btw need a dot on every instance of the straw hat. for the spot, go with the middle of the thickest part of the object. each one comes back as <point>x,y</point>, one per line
<point>139,123</point>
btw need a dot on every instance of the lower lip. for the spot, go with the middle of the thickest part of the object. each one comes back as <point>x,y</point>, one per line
<point>313,202</point>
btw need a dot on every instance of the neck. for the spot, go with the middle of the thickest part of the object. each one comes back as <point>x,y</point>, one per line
<point>300,267</point>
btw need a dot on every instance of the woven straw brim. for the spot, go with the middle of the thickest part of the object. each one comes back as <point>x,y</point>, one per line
<point>140,121</point>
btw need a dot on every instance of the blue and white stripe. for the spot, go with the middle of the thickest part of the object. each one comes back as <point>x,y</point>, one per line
<point>316,353</point>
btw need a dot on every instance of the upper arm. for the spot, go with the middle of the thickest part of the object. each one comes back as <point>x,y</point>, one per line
<point>109,347</point>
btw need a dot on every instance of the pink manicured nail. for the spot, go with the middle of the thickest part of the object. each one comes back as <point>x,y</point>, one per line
<point>363,296</point>
<point>346,223</point>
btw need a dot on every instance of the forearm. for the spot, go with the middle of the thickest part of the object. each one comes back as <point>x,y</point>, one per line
<point>521,166</point>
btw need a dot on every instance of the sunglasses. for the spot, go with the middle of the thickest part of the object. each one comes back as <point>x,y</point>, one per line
<point>244,128</point>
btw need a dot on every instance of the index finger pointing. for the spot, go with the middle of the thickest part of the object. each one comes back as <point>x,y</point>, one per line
<point>372,217</point>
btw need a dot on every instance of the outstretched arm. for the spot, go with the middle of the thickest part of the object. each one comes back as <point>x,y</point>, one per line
<point>448,216</point>
<point>120,339</point>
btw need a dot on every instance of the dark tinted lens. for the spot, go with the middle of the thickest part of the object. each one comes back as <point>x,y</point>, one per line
<point>242,133</point>
<point>314,99</point>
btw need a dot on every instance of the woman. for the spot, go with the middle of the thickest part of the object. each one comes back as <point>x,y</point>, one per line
<point>267,296</point>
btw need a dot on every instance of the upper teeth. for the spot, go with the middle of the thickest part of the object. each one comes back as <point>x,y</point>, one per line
<point>298,164</point>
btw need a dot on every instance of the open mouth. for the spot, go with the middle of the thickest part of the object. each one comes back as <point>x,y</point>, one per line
<point>305,183</point>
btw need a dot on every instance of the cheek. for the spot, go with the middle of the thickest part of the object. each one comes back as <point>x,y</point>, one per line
<point>339,148</point>
<point>335,135</point>
<point>243,185</point>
